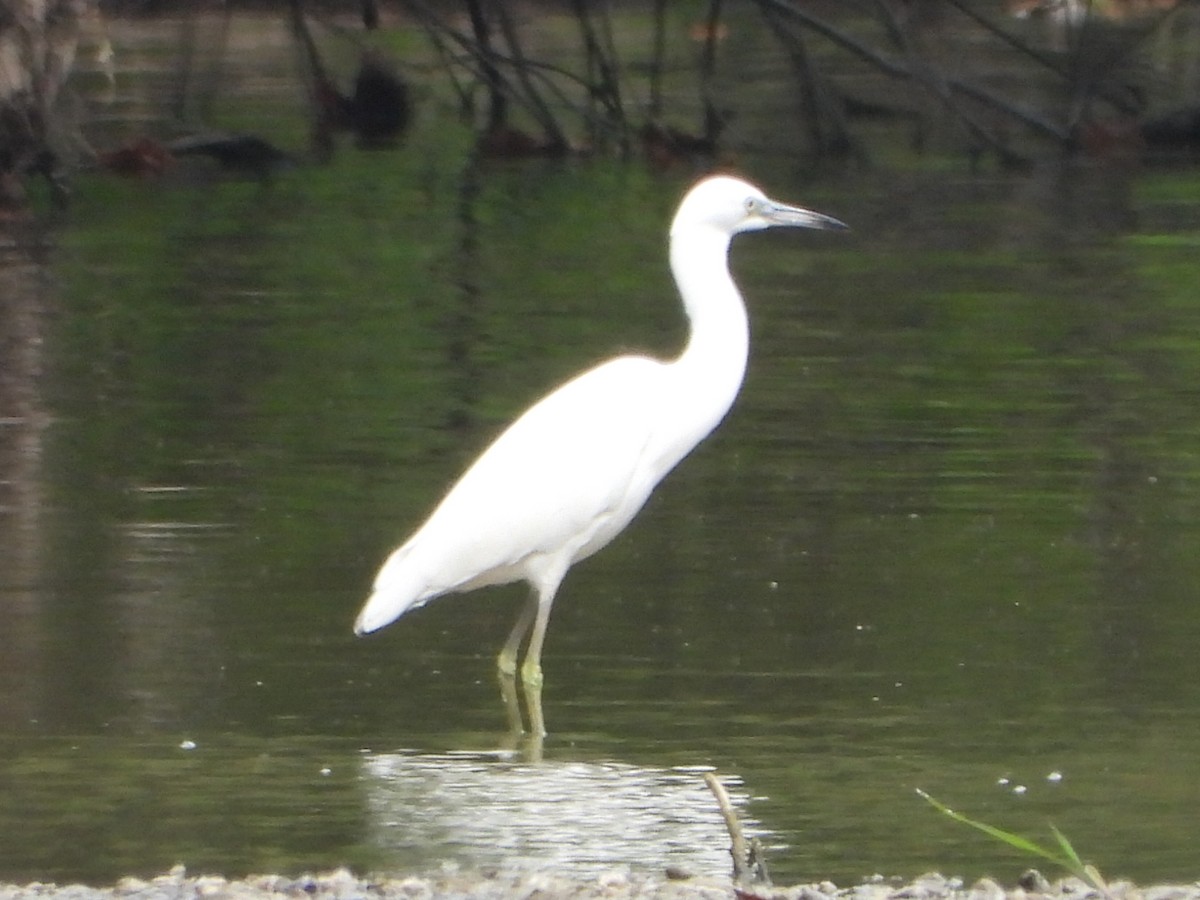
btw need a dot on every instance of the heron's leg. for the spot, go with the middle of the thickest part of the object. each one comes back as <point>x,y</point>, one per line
<point>531,669</point>
<point>512,708</point>
<point>506,663</point>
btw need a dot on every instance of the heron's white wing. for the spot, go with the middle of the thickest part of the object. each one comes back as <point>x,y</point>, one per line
<point>565,477</point>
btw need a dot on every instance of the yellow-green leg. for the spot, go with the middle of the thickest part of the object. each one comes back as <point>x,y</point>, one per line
<point>506,665</point>
<point>535,613</point>
<point>531,669</point>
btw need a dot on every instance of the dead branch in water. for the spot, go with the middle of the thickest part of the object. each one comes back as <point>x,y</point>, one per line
<point>749,864</point>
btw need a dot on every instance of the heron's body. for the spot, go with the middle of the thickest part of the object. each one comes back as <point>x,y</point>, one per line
<point>573,470</point>
<point>593,471</point>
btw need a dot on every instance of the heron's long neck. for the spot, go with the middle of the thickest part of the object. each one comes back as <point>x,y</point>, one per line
<point>713,363</point>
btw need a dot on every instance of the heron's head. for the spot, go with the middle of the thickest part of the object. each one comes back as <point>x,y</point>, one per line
<point>730,206</point>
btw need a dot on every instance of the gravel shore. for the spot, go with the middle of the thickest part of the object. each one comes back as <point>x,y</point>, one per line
<point>617,885</point>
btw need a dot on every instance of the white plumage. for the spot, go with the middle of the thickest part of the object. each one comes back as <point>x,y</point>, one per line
<point>574,469</point>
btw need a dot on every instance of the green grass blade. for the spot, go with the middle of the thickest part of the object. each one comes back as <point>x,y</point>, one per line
<point>1076,862</point>
<point>1013,840</point>
<point>1067,858</point>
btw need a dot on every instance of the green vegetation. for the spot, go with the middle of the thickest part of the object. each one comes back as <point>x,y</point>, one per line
<point>1065,856</point>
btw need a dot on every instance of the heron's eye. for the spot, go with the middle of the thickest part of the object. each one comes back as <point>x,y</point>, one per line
<point>751,204</point>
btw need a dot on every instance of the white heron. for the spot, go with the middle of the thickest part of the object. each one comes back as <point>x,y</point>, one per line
<point>574,469</point>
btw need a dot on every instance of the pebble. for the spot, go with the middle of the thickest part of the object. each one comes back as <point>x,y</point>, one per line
<point>616,884</point>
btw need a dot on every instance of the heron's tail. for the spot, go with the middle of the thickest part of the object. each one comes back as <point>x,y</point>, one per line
<point>398,588</point>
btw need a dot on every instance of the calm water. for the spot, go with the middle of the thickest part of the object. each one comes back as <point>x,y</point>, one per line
<point>946,539</point>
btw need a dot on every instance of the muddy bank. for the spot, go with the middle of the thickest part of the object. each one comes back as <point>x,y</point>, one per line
<point>616,885</point>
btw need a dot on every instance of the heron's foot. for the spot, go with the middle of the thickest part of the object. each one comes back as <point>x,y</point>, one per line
<point>534,748</point>
<point>531,682</point>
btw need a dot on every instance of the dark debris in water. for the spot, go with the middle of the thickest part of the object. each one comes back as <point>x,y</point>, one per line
<point>342,884</point>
